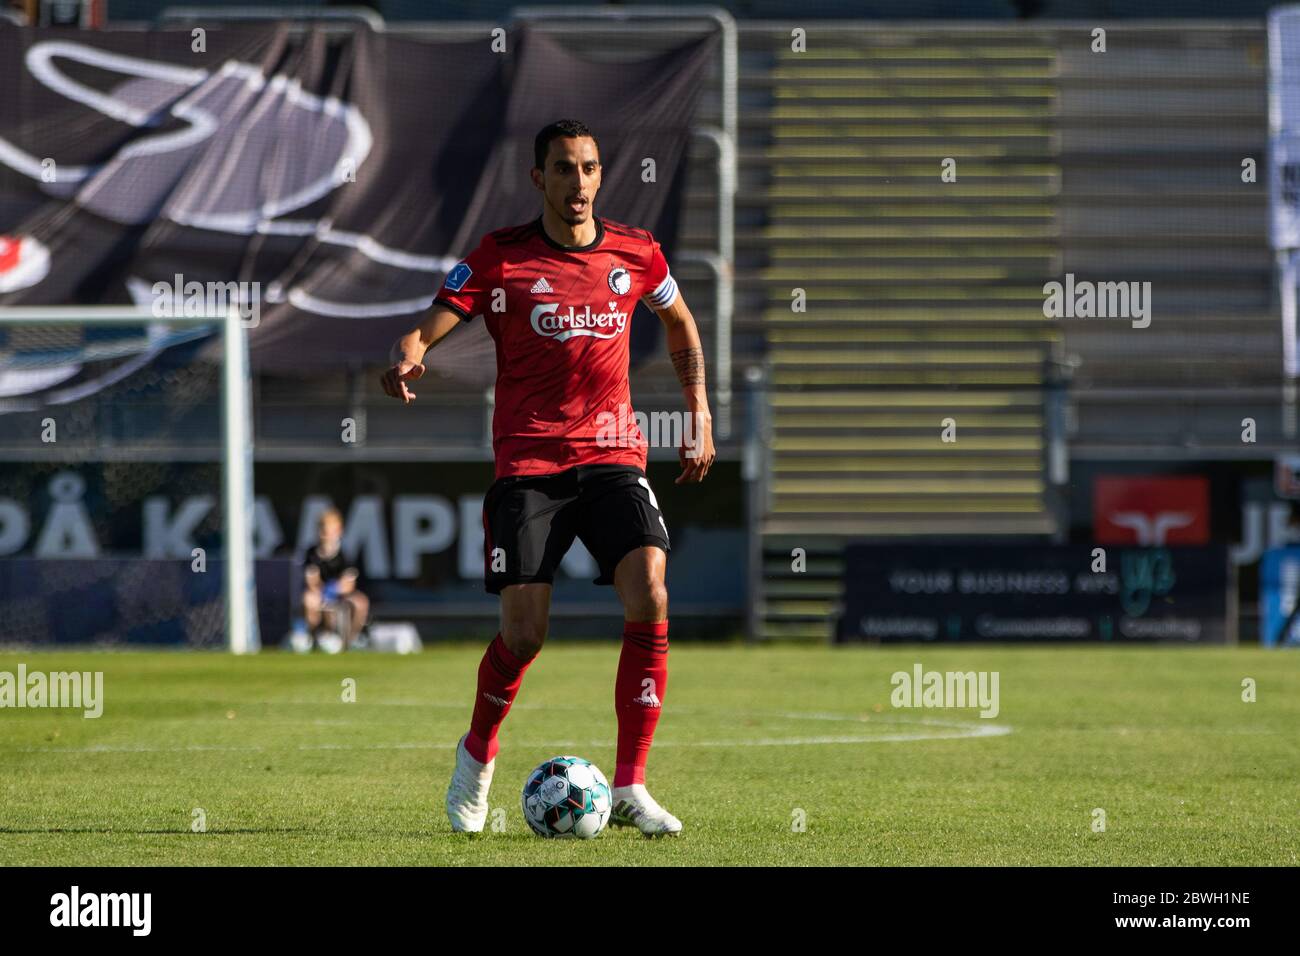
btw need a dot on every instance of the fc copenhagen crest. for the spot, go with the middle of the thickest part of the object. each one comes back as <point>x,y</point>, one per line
<point>620,281</point>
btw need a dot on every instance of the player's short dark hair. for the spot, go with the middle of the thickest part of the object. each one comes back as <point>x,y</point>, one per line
<point>564,127</point>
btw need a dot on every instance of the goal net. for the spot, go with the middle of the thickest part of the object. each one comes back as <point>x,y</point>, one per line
<point>125,479</point>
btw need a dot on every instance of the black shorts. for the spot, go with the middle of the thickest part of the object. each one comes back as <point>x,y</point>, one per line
<point>530,521</point>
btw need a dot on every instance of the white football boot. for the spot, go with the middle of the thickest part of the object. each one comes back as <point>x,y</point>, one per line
<point>467,803</point>
<point>634,807</point>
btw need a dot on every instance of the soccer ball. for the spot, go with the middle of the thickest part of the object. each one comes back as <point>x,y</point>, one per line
<point>567,797</point>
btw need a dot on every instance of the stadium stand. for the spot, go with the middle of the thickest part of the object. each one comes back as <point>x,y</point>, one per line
<point>1153,138</point>
<point>916,287</point>
<point>925,298</point>
<point>1125,167</point>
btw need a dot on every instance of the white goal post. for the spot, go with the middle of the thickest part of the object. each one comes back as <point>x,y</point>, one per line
<point>242,632</point>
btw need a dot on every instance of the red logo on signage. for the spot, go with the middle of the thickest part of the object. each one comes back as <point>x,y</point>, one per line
<point>1150,511</point>
<point>9,249</point>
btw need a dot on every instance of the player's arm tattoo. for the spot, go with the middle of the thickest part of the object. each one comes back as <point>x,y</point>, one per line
<point>689,364</point>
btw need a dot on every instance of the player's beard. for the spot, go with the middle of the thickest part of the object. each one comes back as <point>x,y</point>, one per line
<point>569,216</point>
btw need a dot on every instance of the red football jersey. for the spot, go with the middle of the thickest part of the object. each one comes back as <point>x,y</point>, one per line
<point>561,317</point>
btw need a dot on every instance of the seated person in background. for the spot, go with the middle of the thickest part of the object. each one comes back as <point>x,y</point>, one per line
<point>330,582</point>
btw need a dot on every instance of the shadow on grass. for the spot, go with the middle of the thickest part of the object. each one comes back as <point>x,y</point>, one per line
<point>307,831</point>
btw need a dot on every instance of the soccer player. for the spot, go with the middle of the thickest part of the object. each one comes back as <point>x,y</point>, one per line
<point>557,295</point>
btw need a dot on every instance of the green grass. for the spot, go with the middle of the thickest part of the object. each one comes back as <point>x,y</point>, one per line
<point>287,773</point>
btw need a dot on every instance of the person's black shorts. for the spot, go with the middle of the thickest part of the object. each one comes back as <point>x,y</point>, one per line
<point>530,521</point>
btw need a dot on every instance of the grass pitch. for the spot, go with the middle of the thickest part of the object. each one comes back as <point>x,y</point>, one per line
<point>753,741</point>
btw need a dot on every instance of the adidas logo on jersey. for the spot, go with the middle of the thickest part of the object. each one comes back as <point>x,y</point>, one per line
<point>540,286</point>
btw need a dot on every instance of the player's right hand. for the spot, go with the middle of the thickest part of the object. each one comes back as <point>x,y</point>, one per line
<point>395,379</point>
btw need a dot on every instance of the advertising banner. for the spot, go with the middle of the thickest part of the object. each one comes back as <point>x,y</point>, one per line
<point>1047,593</point>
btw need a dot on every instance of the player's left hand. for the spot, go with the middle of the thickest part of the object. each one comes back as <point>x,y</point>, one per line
<point>697,452</point>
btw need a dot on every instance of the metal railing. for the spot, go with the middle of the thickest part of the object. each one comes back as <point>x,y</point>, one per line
<point>353,15</point>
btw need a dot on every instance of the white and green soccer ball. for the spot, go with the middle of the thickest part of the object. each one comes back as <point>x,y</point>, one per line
<point>567,797</point>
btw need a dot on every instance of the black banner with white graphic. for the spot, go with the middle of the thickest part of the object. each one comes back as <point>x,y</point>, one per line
<point>339,177</point>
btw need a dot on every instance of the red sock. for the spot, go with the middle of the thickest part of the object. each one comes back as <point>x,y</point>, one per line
<point>638,696</point>
<point>499,675</point>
